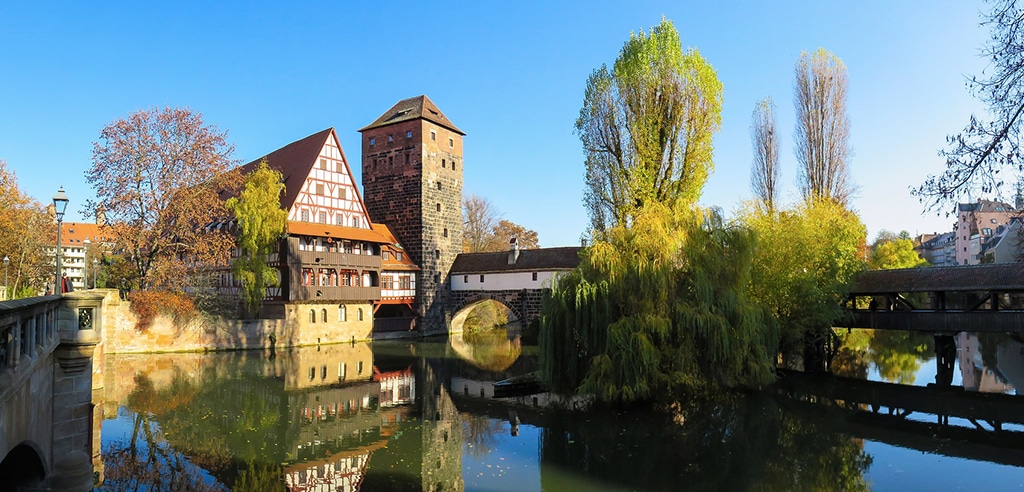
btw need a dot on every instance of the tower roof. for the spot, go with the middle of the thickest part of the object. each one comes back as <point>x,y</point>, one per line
<point>411,109</point>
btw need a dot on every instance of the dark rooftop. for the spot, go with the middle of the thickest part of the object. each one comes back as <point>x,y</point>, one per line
<point>411,109</point>
<point>996,276</point>
<point>565,258</point>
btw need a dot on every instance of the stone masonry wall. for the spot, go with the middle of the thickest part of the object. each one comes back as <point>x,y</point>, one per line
<point>297,329</point>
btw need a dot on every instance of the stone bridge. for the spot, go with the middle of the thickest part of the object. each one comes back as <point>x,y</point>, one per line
<point>523,304</point>
<point>46,411</point>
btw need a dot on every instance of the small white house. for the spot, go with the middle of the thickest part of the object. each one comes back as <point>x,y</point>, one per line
<point>515,269</point>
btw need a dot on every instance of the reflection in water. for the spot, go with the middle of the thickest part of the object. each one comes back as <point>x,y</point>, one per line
<point>400,416</point>
<point>991,362</point>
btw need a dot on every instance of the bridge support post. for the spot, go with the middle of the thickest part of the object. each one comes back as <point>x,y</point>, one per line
<point>945,359</point>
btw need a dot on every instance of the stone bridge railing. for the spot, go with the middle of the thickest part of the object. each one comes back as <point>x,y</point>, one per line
<point>46,410</point>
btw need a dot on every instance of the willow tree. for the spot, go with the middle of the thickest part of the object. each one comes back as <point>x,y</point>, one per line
<point>646,126</point>
<point>822,127</point>
<point>261,221</point>
<point>764,175</point>
<point>658,310</point>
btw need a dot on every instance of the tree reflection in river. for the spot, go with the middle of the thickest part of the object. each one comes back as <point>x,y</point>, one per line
<point>896,355</point>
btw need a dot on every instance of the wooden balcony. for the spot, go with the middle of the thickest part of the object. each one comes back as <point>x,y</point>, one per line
<point>323,293</point>
<point>324,259</point>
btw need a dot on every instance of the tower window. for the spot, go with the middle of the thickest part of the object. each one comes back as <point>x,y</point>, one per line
<point>407,158</point>
<point>453,164</point>
<point>445,232</point>
<point>372,141</point>
<point>408,134</point>
<point>443,163</point>
<point>438,207</point>
<point>390,139</point>
<point>451,142</point>
<point>437,254</point>
<point>433,135</point>
<point>439,185</point>
<point>391,161</point>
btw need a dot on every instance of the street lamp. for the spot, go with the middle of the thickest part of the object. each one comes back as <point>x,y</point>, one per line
<point>85,266</point>
<point>60,204</point>
<point>95,271</point>
<point>7,290</point>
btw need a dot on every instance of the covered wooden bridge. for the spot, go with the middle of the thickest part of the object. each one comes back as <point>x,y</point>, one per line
<point>980,298</point>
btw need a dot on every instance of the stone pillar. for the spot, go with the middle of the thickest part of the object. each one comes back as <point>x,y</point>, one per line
<point>79,323</point>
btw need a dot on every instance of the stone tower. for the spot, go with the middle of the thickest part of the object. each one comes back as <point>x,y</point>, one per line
<point>412,181</point>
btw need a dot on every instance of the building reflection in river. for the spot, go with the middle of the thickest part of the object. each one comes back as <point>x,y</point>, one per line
<point>991,362</point>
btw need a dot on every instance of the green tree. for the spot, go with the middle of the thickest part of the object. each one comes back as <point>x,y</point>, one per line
<point>261,221</point>
<point>646,126</point>
<point>891,251</point>
<point>805,260</point>
<point>658,310</point>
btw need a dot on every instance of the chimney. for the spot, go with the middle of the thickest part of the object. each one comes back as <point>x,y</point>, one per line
<point>583,242</point>
<point>513,251</point>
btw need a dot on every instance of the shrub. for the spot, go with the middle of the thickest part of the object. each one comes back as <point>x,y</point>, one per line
<point>146,305</point>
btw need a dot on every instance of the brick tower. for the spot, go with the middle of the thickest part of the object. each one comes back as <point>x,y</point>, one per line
<point>412,181</point>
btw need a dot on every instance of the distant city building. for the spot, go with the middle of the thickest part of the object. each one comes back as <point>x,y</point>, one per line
<point>937,249</point>
<point>1005,244</point>
<point>976,225</point>
<point>80,243</point>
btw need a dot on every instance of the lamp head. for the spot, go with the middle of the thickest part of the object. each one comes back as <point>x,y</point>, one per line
<point>60,203</point>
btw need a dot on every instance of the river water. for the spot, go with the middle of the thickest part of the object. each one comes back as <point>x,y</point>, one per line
<point>421,416</point>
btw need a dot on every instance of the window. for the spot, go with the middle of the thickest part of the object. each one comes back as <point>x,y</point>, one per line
<point>398,255</point>
<point>342,368</point>
<point>319,189</point>
<point>305,215</point>
<point>323,217</point>
<point>453,164</point>
<point>965,248</point>
<point>390,139</point>
<point>323,163</point>
<point>386,255</point>
<point>323,315</point>
<point>339,220</point>
<point>445,232</point>
<point>439,185</point>
<point>465,279</point>
<point>323,372</point>
<point>408,134</point>
<point>406,158</point>
<point>355,221</point>
<point>986,231</point>
<point>359,366</point>
<point>312,316</point>
<point>433,135</point>
<point>359,315</point>
<point>372,141</point>
<point>342,313</point>
<point>391,161</point>
<point>451,142</point>
<point>437,278</point>
<point>481,279</point>
<point>343,194</point>
<point>444,163</point>
<point>312,373</point>
<point>534,276</point>
<point>437,253</point>
<point>438,207</point>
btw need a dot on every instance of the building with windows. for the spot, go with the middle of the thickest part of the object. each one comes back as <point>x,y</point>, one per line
<point>81,248</point>
<point>412,180</point>
<point>976,225</point>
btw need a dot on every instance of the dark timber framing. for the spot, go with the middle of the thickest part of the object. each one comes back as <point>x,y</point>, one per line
<point>980,298</point>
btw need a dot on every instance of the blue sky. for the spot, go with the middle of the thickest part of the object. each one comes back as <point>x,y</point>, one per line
<point>511,75</point>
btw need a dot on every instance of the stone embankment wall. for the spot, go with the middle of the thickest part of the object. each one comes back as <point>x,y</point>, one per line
<point>299,328</point>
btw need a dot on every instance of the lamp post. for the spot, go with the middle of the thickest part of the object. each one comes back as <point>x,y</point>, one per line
<point>95,271</point>
<point>7,290</point>
<point>60,204</point>
<point>85,266</point>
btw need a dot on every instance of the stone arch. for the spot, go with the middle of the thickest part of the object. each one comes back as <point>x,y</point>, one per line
<point>463,309</point>
<point>24,464</point>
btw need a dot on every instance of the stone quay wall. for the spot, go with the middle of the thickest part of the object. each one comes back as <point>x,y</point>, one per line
<point>303,324</point>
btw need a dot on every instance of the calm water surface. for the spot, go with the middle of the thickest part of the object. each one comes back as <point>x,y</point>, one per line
<point>421,416</point>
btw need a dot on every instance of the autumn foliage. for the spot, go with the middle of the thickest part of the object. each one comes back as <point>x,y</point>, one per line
<point>147,305</point>
<point>158,175</point>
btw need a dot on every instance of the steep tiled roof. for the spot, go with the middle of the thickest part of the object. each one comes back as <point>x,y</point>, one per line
<point>334,231</point>
<point>985,206</point>
<point>294,161</point>
<point>998,276</point>
<point>76,233</point>
<point>545,259</point>
<point>392,262</point>
<point>411,109</point>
